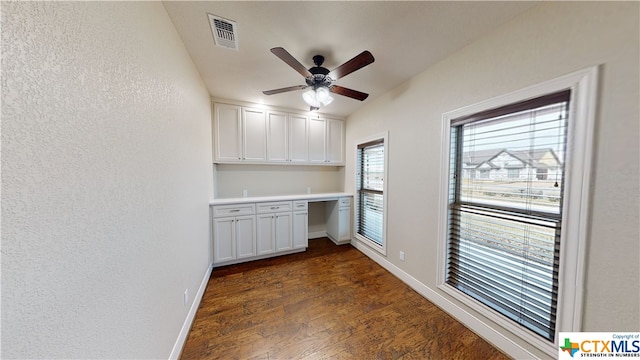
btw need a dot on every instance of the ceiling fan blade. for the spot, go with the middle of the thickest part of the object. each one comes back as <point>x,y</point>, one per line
<point>336,89</point>
<point>291,61</point>
<point>361,60</point>
<point>281,90</point>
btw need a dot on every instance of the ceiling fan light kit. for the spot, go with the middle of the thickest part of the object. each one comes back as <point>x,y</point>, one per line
<point>320,80</point>
<point>317,97</point>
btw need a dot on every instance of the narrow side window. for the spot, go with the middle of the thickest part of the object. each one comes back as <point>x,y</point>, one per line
<point>370,192</point>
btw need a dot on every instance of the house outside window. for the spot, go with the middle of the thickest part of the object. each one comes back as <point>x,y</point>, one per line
<point>508,246</point>
<point>499,163</point>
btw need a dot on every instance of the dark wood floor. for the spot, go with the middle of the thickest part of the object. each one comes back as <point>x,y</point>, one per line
<point>330,302</point>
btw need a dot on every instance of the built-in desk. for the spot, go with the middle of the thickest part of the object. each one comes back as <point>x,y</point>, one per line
<point>308,197</point>
<point>251,228</point>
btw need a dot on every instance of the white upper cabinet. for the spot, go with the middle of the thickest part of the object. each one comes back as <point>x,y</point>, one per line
<point>317,140</point>
<point>298,138</point>
<point>254,135</point>
<point>335,141</point>
<point>240,134</point>
<point>227,132</point>
<point>251,135</point>
<point>277,137</point>
<point>326,141</point>
<point>287,138</point>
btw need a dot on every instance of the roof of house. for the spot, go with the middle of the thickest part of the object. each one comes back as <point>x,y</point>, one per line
<point>530,157</point>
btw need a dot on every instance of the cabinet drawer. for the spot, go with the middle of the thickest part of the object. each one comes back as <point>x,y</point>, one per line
<point>345,202</point>
<point>300,205</point>
<point>233,210</point>
<point>274,207</point>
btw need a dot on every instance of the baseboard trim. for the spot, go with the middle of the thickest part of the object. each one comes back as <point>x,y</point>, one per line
<point>343,242</point>
<point>476,325</point>
<point>317,234</point>
<point>186,326</point>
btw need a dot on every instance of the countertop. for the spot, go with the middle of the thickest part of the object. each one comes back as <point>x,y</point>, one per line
<point>255,199</point>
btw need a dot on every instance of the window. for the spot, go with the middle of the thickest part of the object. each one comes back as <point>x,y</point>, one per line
<point>370,188</point>
<point>541,174</point>
<point>508,245</point>
<point>504,251</point>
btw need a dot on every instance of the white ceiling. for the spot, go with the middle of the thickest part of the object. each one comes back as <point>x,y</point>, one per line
<point>404,37</point>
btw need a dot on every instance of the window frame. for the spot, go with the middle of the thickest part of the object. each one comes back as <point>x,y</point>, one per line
<point>575,213</point>
<point>380,248</point>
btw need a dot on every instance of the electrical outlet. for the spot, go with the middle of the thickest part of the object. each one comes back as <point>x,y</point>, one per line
<point>186,297</point>
<point>401,255</point>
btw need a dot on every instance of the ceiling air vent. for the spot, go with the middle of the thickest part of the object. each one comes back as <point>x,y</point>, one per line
<point>225,32</point>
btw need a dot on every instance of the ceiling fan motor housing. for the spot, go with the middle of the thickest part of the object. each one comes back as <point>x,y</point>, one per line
<point>319,78</point>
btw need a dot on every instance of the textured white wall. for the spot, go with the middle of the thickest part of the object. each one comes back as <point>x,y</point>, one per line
<point>106,177</point>
<point>550,40</point>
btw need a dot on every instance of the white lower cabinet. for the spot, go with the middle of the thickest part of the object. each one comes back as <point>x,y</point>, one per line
<point>300,224</point>
<point>275,233</point>
<point>224,240</point>
<point>283,233</point>
<point>246,232</point>
<point>250,231</point>
<point>245,236</point>
<point>300,229</point>
<point>344,228</point>
<point>275,219</point>
<point>234,238</point>
<point>339,220</point>
<point>266,240</point>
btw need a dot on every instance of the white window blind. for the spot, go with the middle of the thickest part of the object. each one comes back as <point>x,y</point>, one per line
<point>370,187</point>
<point>505,209</point>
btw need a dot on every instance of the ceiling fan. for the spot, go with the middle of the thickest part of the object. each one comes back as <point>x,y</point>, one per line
<point>320,80</point>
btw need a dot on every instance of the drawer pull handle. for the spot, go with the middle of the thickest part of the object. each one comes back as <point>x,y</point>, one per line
<point>235,210</point>
<point>275,207</point>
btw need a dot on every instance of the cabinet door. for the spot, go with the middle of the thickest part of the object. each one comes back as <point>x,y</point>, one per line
<point>317,140</point>
<point>284,236</point>
<point>245,236</point>
<point>298,138</point>
<point>335,141</point>
<point>277,137</point>
<point>300,229</point>
<point>266,234</point>
<point>344,215</point>
<point>254,135</point>
<point>227,133</point>
<point>224,245</point>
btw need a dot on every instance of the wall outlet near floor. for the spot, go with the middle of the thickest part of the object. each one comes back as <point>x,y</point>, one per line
<point>401,255</point>
<point>186,297</point>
